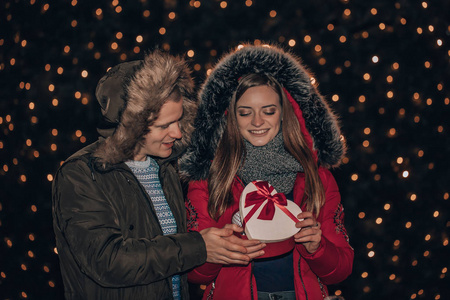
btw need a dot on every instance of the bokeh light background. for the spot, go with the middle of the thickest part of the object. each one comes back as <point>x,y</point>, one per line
<point>383,66</point>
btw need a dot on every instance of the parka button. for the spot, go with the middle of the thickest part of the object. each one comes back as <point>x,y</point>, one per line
<point>131,227</point>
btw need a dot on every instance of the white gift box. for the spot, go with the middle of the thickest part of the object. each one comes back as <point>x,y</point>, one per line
<point>269,217</point>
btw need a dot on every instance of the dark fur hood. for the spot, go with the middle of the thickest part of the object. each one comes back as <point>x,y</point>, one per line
<point>216,93</point>
<point>131,94</point>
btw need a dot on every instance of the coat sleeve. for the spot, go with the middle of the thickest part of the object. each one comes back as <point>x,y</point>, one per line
<point>333,260</point>
<point>89,227</point>
<point>199,219</point>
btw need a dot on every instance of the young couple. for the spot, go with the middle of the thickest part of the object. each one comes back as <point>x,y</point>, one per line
<point>118,205</point>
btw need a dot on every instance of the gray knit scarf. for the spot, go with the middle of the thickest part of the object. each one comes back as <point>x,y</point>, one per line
<point>271,163</point>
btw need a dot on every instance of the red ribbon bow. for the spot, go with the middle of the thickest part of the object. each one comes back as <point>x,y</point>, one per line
<point>257,198</point>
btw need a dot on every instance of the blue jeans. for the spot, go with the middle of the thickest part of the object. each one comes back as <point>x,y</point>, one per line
<point>287,295</point>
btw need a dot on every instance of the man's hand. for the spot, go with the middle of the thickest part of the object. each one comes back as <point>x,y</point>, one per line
<point>223,247</point>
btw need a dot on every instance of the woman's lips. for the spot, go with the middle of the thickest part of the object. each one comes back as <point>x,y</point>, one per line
<point>259,132</point>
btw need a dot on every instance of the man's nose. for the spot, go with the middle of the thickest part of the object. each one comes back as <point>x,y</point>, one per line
<point>175,131</point>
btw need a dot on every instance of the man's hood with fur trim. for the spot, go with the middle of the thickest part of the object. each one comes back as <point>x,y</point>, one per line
<point>131,93</point>
<point>217,91</point>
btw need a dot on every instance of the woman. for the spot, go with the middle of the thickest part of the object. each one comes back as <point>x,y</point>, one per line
<point>261,119</point>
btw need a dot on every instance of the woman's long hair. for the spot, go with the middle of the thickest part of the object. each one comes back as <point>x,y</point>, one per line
<point>230,152</point>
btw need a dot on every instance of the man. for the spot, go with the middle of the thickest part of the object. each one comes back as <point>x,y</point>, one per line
<point>118,208</point>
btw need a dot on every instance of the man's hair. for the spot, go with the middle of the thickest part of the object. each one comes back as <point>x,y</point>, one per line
<point>159,78</point>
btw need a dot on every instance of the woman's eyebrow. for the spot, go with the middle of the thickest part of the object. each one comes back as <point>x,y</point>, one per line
<point>265,106</point>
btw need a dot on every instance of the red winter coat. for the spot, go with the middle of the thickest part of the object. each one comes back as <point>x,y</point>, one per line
<point>330,264</point>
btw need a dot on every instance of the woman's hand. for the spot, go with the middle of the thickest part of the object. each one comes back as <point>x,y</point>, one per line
<point>310,233</point>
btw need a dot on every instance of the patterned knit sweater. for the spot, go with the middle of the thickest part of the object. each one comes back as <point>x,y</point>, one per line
<point>147,172</point>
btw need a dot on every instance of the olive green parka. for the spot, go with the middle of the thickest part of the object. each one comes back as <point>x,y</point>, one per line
<point>108,237</point>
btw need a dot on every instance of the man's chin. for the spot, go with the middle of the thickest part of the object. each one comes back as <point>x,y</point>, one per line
<point>166,153</point>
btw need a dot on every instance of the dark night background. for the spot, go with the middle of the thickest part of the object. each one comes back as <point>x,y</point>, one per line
<point>383,66</point>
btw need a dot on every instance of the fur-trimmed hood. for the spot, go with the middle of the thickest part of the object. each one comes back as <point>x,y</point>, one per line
<point>131,95</point>
<point>322,127</point>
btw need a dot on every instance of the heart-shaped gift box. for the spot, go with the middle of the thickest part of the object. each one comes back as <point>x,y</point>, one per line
<point>269,217</point>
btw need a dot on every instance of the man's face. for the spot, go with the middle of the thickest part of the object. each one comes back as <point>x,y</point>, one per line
<point>163,133</point>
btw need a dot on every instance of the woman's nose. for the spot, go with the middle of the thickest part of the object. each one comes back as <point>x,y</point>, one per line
<point>257,120</point>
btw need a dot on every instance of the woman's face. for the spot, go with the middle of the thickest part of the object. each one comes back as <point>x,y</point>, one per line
<point>258,114</point>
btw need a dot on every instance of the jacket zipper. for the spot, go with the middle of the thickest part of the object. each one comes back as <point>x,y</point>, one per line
<point>211,291</point>
<point>251,279</point>
<point>322,289</point>
<point>252,263</point>
<point>301,278</point>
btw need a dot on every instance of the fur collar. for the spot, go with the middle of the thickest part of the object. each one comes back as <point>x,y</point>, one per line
<point>321,123</point>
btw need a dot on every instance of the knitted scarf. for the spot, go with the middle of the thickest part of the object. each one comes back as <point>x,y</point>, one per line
<point>271,163</point>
